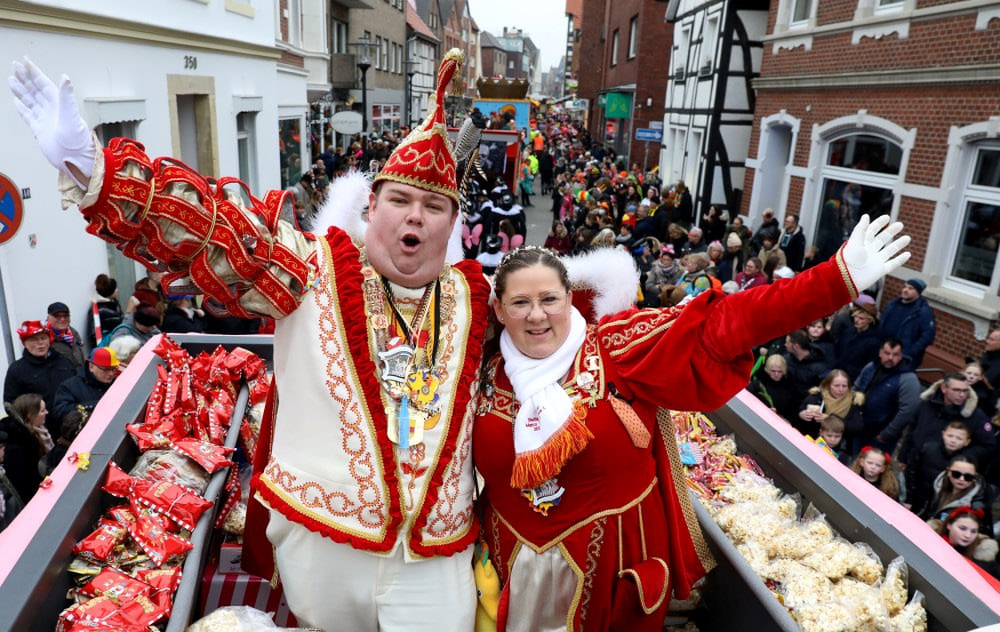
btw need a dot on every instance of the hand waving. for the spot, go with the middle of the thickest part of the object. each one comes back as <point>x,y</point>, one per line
<point>52,114</point>
<point>873,250</point>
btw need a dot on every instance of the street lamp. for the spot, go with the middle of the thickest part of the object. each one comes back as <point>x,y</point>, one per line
<point>363,59</point>
<point>411,69</point>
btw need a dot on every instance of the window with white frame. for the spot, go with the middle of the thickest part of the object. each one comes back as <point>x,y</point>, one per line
<point>975,257</point>
<point>294,20</point>
<point>338,36</point>
<point>633,36</point>
<point>614,48</point>
<point>385,55</point>
<point>378,52</point>
<point>385,117</point>
<point>246,149</point>
<point>858,177</point>
<point>801,12</point>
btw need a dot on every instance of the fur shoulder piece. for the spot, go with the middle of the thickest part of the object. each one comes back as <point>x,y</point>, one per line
<point>346,207</point>
<point>931,390</point>
<point>815,390</point>
<point>610,274</point>
<point>986,549</point>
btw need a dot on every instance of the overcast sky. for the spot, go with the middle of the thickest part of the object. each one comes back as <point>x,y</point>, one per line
<point>543,20</point>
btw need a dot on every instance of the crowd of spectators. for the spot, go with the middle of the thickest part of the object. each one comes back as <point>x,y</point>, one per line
<point>849,381</point>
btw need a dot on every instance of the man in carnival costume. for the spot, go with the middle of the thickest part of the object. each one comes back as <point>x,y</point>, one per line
<point>366,467</point>
<point>365,470</point>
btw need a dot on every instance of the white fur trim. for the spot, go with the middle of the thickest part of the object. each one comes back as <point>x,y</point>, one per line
<point>345,206</point>
<point>612,274</point>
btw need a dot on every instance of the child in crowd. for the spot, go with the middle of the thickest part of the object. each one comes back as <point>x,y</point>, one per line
<point>72,423</point>
<point>831,435</point>
<point>874,466</point>
<point>930,461</point>
<point>960,485</point>
<point>987,396</point>
<point>963,529</point>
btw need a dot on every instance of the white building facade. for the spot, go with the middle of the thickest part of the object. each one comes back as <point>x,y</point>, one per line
<point>201,80</point>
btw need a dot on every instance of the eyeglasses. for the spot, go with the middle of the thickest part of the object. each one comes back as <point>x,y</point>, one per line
<point>552,304</point>
<point>962,476</point>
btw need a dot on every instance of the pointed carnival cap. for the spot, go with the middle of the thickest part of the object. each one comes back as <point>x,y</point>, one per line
<point>425,159</point>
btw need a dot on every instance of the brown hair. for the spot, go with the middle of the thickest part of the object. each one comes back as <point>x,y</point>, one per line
<point>887,482</point>
<point>526,257</point>
<point>832,423</point>
<point>948,492</point>
<point>27,405</point>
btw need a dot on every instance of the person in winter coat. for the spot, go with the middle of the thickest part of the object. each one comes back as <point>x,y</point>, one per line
<point>731,264</point>
<point>928,464</point>
<point>24,450</point>
<point>961,485</point>
<point>858,345</point>
<point>944,401</point>
<point>910,319</point>
<point>663,272</point>
<point>773,387</point>
<point>752,275</point>
<point>106,311</point>
<point>792,242</point>
<point>88,386</point>
<point>984,390</point>
<point>892,393</point>
<point>11,503</point>
<point>39,370</point>
<point>991,358</point>
<point>143,323</point>
<point>964,530</point>
<point>807,365</point>
<point>833,396</point>
<point>183,317</point>
<point>66,340</point>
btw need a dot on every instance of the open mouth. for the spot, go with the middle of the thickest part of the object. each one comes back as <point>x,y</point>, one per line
<point>410,241</point>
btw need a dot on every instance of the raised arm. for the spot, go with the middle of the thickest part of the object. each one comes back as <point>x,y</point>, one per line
<point>165,215</point>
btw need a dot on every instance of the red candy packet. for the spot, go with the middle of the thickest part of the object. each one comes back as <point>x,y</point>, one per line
<point>101,543</point>
<point>117,585</point>
<point>211,457</point>
<point>158,543</point>
<point>171,499</point>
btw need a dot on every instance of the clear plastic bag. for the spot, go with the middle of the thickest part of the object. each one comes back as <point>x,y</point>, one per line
<point>236,619</point>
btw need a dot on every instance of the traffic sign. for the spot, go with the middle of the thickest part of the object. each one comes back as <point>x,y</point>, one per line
<point>11,209</point>
<point>649,135</point>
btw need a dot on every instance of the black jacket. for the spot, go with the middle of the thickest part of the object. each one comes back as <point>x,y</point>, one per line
<point>22,456</point>
<point>83,389</point>
<point>925,466</point>
<point>176,320</point>
<point>31,374</point>
<point>111,315</point>
<point>75,352</point>
<point>933,415</point>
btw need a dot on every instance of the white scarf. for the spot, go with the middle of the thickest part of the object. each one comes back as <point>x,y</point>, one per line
<point>545,406</point>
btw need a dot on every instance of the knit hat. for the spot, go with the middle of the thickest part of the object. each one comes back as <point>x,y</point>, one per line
<point>667,249</point>
<point>57,307</point>
<point>784,272</point>
<point>426,159</point>
<point>868,308</point>
<point>715,244</point>
<point>31,328</point>
<point>917,284</point>
<point>864,299</point>
<point>730,287</point>
<point>733,241</point>
<point>104,357</point>
<point>147,316</point>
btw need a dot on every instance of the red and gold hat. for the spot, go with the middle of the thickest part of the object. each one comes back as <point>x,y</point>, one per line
<point>31,328</point>
<point>425,159</point>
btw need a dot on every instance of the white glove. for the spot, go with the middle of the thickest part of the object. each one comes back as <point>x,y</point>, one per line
<point>871,252</point>
<point>54,118</point>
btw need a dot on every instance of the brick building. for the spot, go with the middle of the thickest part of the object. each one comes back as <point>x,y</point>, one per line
<point>626,43</point>
<point>889,108</point>
<point>494,56</point>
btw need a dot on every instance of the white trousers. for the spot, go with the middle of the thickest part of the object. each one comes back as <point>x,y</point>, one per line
<point>335,587</point>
